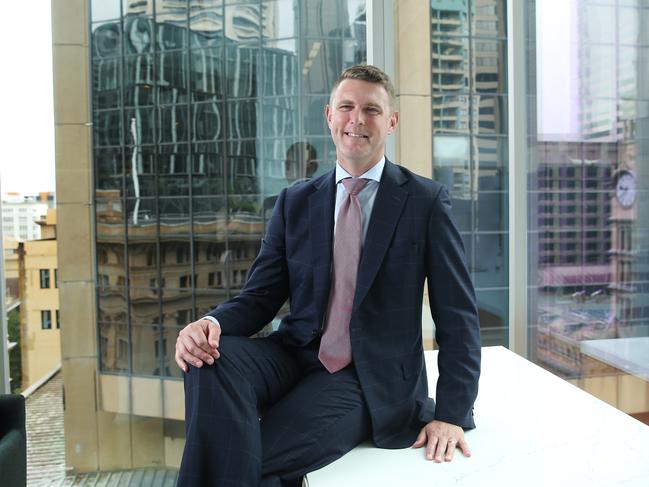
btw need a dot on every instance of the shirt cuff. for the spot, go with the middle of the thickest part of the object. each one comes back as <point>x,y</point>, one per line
<point>212,319</point>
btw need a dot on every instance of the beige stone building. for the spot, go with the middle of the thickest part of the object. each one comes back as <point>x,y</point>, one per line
<point>39,310</point>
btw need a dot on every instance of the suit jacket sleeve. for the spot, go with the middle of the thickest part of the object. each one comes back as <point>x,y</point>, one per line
<point>454,311</point>
<point>267,286</point>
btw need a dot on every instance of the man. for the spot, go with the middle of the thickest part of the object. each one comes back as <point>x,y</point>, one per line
<point>347,363</point>
<point>300,165</point>
<point>301,162</point>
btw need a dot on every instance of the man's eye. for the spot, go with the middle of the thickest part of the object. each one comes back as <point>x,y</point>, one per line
<point>373,110</point>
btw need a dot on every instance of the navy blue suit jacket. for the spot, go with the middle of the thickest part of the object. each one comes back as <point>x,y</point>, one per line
<point>410,237</point>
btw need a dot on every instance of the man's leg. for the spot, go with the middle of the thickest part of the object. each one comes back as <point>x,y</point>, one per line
<point>323,417</point>
<point>223,441</point>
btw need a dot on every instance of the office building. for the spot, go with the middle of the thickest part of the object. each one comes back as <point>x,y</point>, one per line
<point>173,121</point>
<point>19,216</point>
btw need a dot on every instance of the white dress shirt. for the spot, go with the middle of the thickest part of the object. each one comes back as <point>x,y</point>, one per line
<point>366,197</point>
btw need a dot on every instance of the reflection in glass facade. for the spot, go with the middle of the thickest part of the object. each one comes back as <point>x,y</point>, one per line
<point>195,106</point>
<point>469,119</point>
<point>589,205</point>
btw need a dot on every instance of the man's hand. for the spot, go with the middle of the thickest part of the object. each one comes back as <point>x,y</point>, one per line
<point>441,439</point>
<point>198,343</point>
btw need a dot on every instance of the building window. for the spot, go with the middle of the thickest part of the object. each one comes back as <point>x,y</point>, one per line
<point>153,284</point>
<point>45,278</point>
<point>183,317</point>
<point>56,278</point>
<point>122,349</point>
<point>160,347</point>
<point>46,319</point>
<point>150,257</point>
<point>211,253</point>
<point>182,254</point>
<point>58,321</point>
<point>184,281</point>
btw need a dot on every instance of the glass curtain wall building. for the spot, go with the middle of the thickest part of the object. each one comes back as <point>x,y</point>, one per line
<point>469,121</point>
<point>588,200</point>
<point>195,114</point>
<point>202,113</point>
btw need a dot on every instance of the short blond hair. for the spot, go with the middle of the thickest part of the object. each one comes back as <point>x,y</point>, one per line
<point>369,73</point>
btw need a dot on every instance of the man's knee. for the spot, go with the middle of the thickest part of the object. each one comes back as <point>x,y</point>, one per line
<point>219,379</point>
<point>229,348</point>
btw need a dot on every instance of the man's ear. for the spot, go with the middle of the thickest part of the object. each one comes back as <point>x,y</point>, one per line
<point>328,115</point>
<point>394,120</point>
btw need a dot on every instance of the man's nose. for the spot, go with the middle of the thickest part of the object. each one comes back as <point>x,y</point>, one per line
<point>357,116</point>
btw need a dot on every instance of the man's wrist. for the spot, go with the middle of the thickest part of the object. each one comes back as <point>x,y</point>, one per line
<point>212,319</point>
<point>454,421</point>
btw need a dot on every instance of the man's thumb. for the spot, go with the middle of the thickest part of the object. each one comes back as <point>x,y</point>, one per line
<point>213,331</point>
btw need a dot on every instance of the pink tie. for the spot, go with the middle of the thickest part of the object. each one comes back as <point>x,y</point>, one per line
<point>335,347</point>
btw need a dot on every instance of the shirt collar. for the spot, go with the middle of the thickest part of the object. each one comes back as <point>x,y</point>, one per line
<point>374,173</point>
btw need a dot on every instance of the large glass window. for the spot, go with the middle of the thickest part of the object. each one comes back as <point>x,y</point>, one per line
<point>469,120</point>
<point>588,198</point>
<point>202,113</point>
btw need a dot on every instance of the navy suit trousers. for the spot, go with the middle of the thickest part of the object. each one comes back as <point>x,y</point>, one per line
<point>267,413</point>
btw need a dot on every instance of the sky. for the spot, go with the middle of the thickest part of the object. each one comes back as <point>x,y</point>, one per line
<point>556,67</point>
<point>26,110</point>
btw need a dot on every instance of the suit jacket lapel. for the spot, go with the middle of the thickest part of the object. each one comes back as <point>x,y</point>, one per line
<point>321,221</point>
<point>388,205</point>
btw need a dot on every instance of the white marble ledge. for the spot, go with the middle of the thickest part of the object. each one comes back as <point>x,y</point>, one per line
<point>534,429</point>
<point>630,355</point>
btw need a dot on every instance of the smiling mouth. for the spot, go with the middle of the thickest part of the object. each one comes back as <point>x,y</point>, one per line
<point>356,136</point>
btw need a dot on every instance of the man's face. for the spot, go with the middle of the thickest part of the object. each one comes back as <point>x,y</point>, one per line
<point>298,164</point>
<point>360,119</point>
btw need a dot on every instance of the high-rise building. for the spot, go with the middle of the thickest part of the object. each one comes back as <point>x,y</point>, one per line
<point>590,188</point>
<point>19,216</point>
<point>469,104</point>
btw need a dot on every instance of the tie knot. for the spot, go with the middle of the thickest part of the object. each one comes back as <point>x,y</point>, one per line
<point>354,185</point>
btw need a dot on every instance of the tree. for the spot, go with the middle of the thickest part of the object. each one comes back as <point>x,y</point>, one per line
<point>15,362</point>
